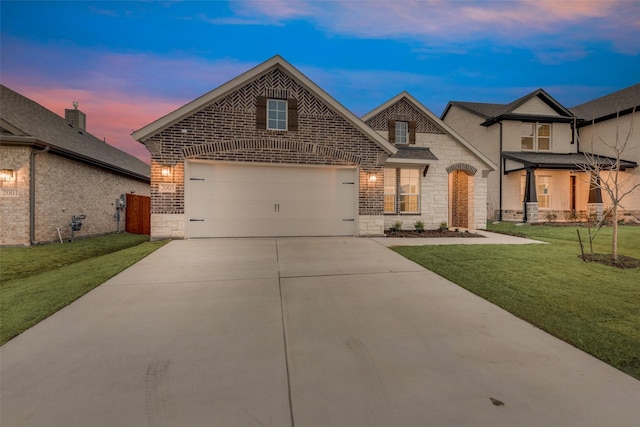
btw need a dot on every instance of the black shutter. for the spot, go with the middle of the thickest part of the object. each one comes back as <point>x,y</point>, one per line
<point>412,132</point>
<point>292,114</point>
<point>261,112</point>
<point>392,131</point>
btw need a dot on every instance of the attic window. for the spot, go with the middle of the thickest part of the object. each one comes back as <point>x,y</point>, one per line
<point>402,132</point>
<point>276,114</point>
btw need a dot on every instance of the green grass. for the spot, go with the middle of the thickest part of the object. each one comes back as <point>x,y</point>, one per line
<point>592,306</point>
<point>38,281</point>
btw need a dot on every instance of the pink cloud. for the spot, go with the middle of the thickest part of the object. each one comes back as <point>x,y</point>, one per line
<point>110,116</point>
<point>441,21</point>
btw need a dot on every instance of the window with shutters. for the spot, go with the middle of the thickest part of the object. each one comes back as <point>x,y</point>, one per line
<point>277,114</point>
<point>402,132</point>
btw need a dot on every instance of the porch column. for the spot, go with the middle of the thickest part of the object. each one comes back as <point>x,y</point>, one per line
<point>530,210</point>
<point>594,204</point>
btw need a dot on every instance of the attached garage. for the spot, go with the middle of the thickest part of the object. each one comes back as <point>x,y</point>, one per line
<point>269,153</point>
<point>254,200</point>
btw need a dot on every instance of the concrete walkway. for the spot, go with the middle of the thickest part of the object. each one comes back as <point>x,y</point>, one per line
<point>304,332</point>
<point>488,238</point>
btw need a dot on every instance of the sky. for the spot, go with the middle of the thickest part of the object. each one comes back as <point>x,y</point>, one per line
<point>130,63</point>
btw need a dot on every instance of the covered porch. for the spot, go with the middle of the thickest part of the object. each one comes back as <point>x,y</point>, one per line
<point>547,187</point>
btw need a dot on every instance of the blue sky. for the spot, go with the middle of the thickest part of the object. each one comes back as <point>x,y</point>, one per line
<point>129,63</point>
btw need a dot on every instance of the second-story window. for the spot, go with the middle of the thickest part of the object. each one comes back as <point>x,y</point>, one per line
<point>535,136</point>
<point>276,114</point>
<point>402,130</point>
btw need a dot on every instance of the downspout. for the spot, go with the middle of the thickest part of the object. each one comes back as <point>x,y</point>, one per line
<point>32,193</point>
<point>501,161</point>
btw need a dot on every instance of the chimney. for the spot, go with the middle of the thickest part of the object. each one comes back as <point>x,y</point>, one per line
<point>75,117</point>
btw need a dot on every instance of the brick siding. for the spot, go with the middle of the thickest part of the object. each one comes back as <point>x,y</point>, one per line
<point>226,130</point>
<point>64,188</point>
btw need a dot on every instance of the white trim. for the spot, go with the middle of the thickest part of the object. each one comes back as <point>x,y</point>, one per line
<point>175,116</point>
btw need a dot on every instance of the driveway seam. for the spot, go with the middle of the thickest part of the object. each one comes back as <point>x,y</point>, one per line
<point>284,338</point>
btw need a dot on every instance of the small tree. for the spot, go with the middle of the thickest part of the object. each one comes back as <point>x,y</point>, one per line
<point>605,174</point>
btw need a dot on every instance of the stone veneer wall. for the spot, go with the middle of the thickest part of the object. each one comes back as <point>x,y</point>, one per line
<point>64,188</point>
<point>226,130</point>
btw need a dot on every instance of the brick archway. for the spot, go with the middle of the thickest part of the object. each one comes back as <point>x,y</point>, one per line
<point>461,195</point>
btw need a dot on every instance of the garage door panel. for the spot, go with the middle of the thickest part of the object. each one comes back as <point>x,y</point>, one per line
<point>226,200</point>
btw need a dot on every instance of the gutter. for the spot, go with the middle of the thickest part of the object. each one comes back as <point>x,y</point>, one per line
<point>32,193</point>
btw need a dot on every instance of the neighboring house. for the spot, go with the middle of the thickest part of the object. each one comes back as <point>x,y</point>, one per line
<point>610,120</point>
<point>270,153</point>
<point>535,142</point>
<point>52,169</point>
<point>435,176</point>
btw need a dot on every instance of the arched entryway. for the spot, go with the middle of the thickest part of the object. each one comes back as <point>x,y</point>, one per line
<point>461,195</point>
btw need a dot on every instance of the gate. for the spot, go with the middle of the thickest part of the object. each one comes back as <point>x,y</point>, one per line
<point>138,214</point>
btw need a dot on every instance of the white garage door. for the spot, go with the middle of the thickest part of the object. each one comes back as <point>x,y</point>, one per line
<point>232,200</point>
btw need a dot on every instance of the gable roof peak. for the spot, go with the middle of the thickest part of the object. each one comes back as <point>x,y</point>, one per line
<point>148,131</point>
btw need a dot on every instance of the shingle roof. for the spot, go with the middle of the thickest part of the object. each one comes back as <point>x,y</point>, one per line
<point>562,161</point>
<point>491,112</point>
<point>36,121</point>
<point>609,105</point>
<point>413,153</point>
<point>484,109</point>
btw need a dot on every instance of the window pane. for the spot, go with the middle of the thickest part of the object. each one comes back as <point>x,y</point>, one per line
<point>526,136</point>
<point>544,144</point>
<point>277,114</point>
<point>389,190</point>
<point>542,188</point>
<point>401,132</point>
<point>544,130</point>
<point>409,190</point>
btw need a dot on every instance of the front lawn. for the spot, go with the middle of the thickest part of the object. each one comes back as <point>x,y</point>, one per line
<point>592,306</point>
<point>37,281</point>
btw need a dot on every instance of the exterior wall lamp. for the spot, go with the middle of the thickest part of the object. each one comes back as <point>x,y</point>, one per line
<point>166,171</point>
<point>372,178</point>
<point>7,175</point>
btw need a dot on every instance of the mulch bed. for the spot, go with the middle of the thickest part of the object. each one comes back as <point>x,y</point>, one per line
<point>622,262</point>
<point>430,233</point>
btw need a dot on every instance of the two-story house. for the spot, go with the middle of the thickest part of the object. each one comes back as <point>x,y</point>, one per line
<point>608,124</point>
<point>541,163</point>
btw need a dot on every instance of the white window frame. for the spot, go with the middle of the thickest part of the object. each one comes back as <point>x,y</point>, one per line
<point>535,136</point>
<point>402,132</point>
<point>277,116</point>
<point>396,190</point>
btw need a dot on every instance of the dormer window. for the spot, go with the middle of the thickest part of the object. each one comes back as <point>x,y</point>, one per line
<point>535,136</point>
<point>402,130</point>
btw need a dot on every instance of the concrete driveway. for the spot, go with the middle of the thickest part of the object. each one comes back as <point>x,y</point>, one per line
<point>304,332</point>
